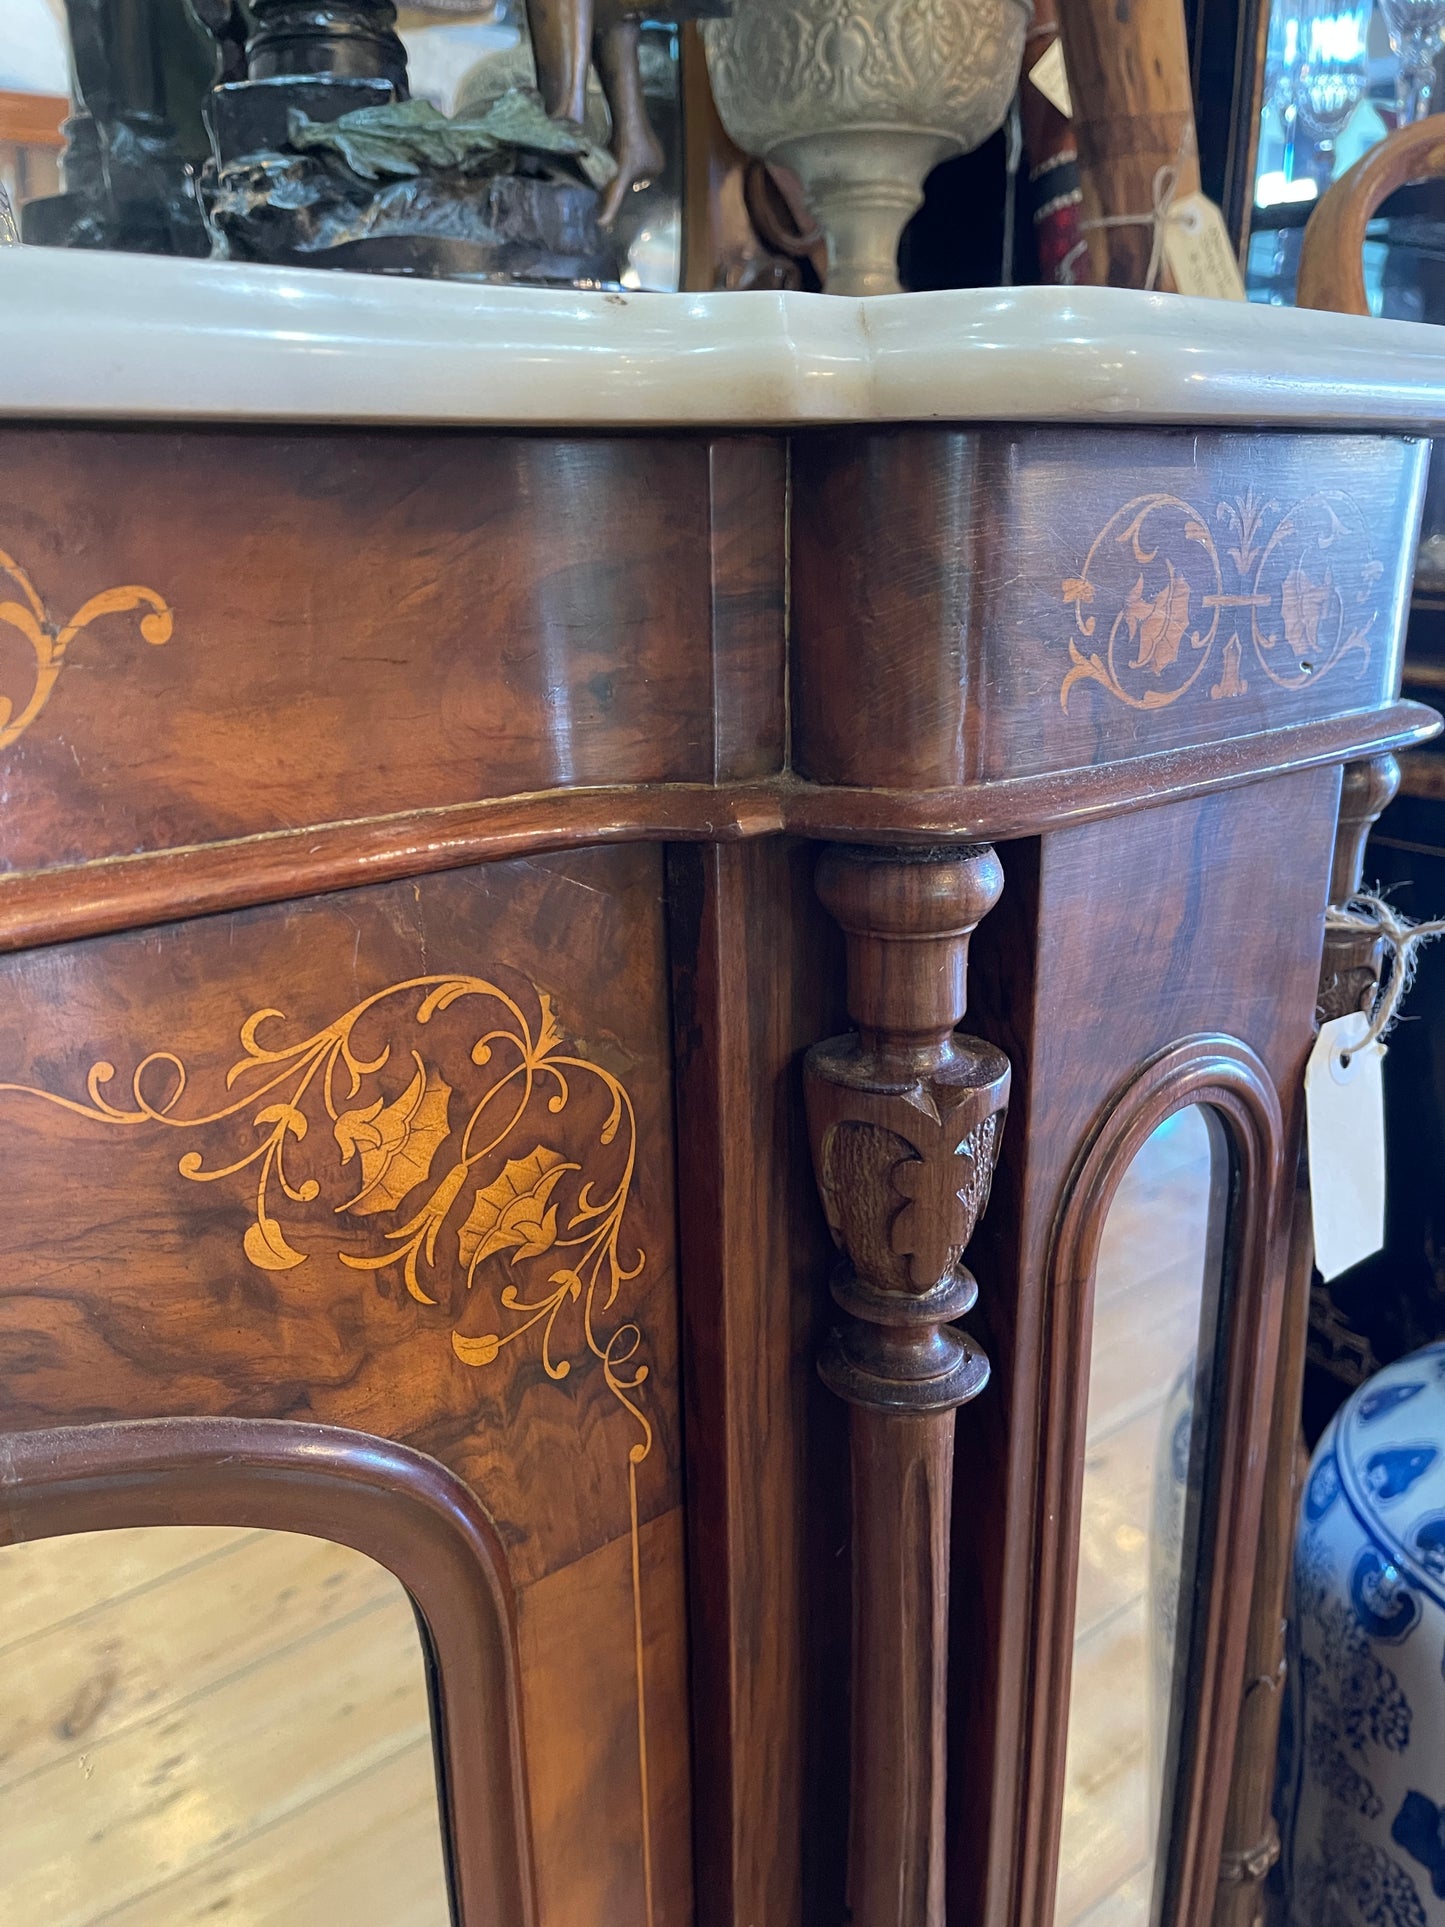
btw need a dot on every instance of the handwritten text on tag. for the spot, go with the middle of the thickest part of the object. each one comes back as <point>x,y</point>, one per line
<point>1198,252</point>
<point>1345,1112</point>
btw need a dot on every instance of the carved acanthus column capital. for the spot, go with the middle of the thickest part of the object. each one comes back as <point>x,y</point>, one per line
<point>905,1117</point>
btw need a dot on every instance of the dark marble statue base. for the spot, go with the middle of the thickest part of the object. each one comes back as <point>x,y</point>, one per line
<point>252,117</point>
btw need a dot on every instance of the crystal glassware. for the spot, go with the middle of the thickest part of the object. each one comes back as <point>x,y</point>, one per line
<point>1332,74</point>
<point>1416,29</point>
<point>1284,54</point>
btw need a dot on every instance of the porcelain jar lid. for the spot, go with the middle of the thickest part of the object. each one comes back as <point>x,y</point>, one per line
<point>1389,1453</point>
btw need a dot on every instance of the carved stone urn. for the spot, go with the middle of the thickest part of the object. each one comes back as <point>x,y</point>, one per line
<point>861,98</point>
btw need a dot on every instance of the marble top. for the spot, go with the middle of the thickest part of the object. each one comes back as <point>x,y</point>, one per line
<point>129,337</point>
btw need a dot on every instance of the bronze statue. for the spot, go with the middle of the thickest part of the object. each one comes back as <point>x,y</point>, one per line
<point>568,36</point>
<point>228,27</point>
<point>313,152</point>
<point>320,156</point>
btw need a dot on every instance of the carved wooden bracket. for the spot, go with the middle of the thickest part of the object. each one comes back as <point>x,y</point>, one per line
<point>1350,971</point>
<point>904,1117</point>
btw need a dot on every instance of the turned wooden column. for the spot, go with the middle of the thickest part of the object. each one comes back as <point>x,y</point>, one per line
<point>904,1118</point>
<point>1133,115</point>
<point>1349,973</point>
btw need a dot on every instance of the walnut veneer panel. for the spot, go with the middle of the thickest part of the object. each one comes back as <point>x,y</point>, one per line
<point>1111,943</point>
<point>1005,603</point>
<point>434,1202</point>
<point>206,633</point>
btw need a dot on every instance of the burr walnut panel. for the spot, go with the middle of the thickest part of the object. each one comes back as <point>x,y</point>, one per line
<point>401,1161</point>
<point>398,1159</point>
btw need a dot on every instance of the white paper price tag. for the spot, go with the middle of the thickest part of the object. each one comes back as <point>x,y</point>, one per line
<point>1345,1113</point>
<point>1051,77</point>
<point>1197,250</point>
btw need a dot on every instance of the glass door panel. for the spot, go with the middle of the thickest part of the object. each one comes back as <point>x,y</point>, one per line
<point>1151,1354</point>
<point>206,1724</point>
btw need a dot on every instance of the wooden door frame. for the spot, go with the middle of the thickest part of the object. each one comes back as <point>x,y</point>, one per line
<point>1226,1077</point>
<point>395,1505</point>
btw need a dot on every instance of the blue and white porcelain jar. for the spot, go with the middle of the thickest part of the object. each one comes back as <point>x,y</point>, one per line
<point>1363,1765</point>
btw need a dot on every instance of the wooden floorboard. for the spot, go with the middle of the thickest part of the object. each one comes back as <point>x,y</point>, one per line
<point>352,1855</point>
<point>201,1726</point>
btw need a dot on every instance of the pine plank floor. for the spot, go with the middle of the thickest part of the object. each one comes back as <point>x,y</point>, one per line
<point>204,1726</point>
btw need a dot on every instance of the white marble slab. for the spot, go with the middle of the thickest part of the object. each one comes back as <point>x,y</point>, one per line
<point>133,337</point>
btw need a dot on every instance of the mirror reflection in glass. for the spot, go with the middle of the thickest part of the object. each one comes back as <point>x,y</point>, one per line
<point>206,1724</point>
<point>1153,1342</point>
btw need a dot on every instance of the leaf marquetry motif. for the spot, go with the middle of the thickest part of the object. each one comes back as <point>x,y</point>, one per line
<point>1296,588</point>
<point>504,1203</point>
<point>509,1205</point>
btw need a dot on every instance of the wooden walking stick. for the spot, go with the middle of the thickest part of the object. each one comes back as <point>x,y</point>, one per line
<point>1134,119</point>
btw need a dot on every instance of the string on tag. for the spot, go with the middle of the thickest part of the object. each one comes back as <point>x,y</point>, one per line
<point>1367,915</point>
<point>1166,186</point>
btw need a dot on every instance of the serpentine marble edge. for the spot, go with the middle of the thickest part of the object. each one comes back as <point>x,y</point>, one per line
<point>96,336</point>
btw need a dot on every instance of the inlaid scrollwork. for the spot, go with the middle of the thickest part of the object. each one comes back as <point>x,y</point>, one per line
<point>1164,596</point>
<point>353,1122</point>
<point>49,640</point>
<point>504,1193</point>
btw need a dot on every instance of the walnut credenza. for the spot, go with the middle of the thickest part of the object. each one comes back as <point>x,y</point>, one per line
<point>484,902</point>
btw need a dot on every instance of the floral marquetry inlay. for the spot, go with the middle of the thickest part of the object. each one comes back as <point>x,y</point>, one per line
<point>470,1177</point>
<point>447,1127</point>
<point>47,640</point>
<point>1169,598</point>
